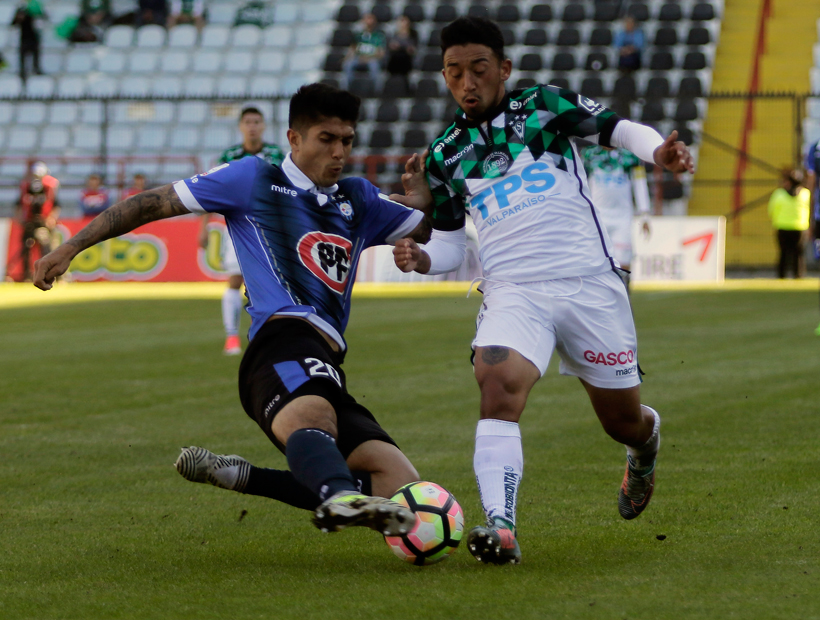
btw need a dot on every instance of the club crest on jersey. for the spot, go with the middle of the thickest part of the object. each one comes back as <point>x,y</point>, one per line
<point>496,164</point>
<point>518,123</point>
<point>346,210</point>
<point>327,257</point>
<point>593,107</point>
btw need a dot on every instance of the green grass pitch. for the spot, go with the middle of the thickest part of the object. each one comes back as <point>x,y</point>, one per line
<point>97,398</point>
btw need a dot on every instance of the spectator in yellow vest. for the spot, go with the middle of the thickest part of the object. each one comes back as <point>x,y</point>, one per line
<point>789,212</point>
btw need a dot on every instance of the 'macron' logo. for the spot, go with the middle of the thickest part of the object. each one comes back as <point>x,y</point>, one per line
<point>327,257</point>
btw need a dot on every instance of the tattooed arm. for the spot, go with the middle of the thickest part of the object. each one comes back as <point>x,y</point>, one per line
<point>148,206</point>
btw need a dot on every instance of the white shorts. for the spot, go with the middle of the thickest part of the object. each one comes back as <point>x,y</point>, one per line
<point>587,319</point>
<point>620,233</point>
<point>229,261</point>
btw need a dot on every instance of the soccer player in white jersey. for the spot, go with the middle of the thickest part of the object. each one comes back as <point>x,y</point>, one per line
<point>550,278</point>
<point>617,180</point>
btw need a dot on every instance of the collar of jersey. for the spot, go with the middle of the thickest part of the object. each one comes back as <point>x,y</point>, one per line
<point>300,180</point>
<point>463,121</point>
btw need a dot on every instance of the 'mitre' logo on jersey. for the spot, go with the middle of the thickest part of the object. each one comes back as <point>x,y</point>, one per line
<point>327,257</point>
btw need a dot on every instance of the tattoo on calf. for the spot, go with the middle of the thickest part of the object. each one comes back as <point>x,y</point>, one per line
<point>494,355</point>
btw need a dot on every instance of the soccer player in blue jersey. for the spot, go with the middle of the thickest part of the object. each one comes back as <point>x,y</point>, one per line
<point>298,232</point>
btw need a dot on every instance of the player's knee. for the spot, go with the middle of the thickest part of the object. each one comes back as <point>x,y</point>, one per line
<point>304,412</point>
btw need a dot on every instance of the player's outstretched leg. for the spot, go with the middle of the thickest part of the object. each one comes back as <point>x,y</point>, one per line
<point>639,477</point>
<point>201,465</point>
<point>316,462</point>
<point>494,543</point>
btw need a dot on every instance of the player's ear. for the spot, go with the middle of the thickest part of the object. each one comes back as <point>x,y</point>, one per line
<point>294,139</point>
<point>506,69</point>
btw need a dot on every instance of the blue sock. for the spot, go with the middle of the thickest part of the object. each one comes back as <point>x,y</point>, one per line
<point>317,464</point>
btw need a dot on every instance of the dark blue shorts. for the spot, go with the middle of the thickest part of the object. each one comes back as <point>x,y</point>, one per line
<point>288,358</point>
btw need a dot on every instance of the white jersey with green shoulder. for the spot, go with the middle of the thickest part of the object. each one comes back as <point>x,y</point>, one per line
<point>617,180</point>
<point>520,177</point>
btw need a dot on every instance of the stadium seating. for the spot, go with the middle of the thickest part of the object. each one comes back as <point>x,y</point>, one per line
<point>562,42</point>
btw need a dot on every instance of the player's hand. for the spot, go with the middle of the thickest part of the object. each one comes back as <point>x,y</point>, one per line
<point>414,180</point>
<point>203,238</point>
<point>674,155</point>
<point>51,266</point>
<point>406,255</point>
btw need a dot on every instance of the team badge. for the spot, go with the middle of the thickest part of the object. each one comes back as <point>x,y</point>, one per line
<point>495,164</point>
<point>518,123</point>
<point>327,257</point>
<point>347,210</point>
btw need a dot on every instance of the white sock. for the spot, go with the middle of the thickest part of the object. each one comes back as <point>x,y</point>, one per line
<point>650,448</point>
<point>499,467</point>
<point>231,310</point>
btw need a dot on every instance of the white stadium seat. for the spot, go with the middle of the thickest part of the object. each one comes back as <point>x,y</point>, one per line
<point>54,139</point>
<point>71,86</point>
<point>15,170</point>
<point>174,170</point>
<point>10,86</point>
<point>50,41</point>
<point>21,140</point>
<point>167,87</point>
<point>52,63</point>
<point>231,86</point>
<point>264,86</point>
<point>199,86</point>
<point>246,36</point>
<point>277,36</point>
<point>184,139</point>
<point>239,62</point>
<point>87,138</point>
<point>306,60</point>
<point>119,36</point>
<point>313,35</point>
<point>103,85</point>
<point>6,35</point>
<point>79,61</point>
<point>174,62</point>
<point>215,35</point>
<point>270,61</point>
<point>207,62</point>
<point>163,111</point>
<point>91,112</point>
<point>6,113</point>
<point>119,139</point>
<point>292,82</point>
<point>151,36</point>
<point>111,62</point>
<point>62,113</point>
<point>319,12</point>
<point>40,86</point>
<point>221,12</point>
<point>152,139</point>
<point>134,86</point>
<point>183,36</point>
<point>285,13</point>
<point>193,112</point>
<point>143,61</point>
<point>31,113</point>
<point>217,137</point>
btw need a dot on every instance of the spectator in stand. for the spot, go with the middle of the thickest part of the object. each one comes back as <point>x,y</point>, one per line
<point>95,16</point>
<point>137,186</point>
<point>813,183</point>
<point>187,12</point>
<point>629,43</point>
<point>255,13</point>
<point>152,12</point>
<point>402,48</point>
<point>37,212</point>
<point>789,210</point>
<point>94,199</point>
<point>367,51</point>
<point>25,18</point>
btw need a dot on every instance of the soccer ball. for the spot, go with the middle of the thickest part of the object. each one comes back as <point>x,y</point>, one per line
<point>439,524</point>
